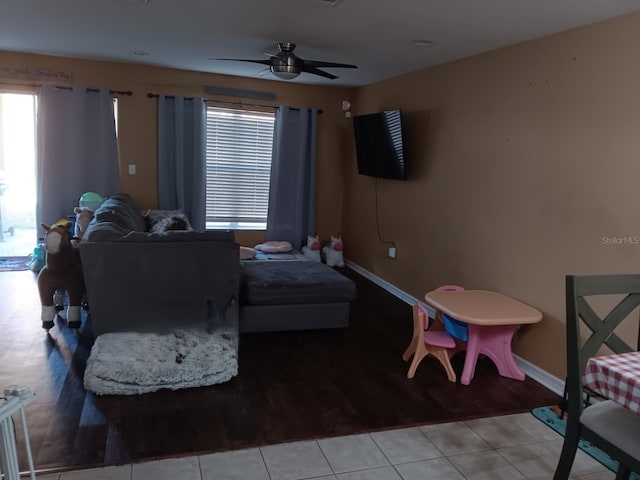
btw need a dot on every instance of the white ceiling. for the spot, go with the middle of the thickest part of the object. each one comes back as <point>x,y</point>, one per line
<point>376,35</point>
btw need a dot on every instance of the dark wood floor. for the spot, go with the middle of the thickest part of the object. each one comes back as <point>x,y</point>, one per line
<point>290,386</point>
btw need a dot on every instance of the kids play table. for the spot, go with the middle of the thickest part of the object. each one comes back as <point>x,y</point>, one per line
<point>493,319</point>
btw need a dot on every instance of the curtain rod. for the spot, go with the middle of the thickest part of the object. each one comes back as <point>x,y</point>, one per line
<point>240,104</point>
<point>112,92</point>
<point>63,87</point>
<point>156,95</point>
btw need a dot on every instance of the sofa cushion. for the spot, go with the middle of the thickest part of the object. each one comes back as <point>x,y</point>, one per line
<point>293,282</point>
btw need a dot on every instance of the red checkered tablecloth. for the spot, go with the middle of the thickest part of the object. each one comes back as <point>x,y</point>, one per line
<point>616,377</point>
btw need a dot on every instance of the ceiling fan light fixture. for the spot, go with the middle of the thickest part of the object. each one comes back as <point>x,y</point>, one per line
<point>285,72</point>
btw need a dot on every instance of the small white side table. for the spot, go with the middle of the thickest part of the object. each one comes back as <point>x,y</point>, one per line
<point>14,400</point>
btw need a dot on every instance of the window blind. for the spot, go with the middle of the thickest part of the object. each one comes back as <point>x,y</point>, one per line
<point>239,146</point>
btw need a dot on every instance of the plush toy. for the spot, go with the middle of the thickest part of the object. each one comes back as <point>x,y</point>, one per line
<point>90,200</point>
<point>61,272</point>
<point>83,216</point>
<point>312,249</point>
<point>247,253</point>
<point>333,252</point>
<point>160,221</point>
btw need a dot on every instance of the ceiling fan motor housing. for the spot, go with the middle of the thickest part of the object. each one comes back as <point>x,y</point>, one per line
<point>285,62</point>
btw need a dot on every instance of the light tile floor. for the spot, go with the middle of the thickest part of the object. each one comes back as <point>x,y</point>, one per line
<point>509,447</point>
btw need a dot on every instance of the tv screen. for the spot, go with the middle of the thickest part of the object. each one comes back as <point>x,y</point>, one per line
<point>379,144</point>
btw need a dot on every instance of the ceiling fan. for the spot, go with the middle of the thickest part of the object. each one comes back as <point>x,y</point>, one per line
<point>286,65</point>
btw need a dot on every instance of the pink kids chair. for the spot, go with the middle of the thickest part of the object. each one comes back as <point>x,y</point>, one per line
<point>425,342</point>
<point>438,343</point>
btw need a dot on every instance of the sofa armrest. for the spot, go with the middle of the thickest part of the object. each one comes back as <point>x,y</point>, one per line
<point>158,285</point>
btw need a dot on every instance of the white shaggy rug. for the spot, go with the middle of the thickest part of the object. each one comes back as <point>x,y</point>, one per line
<point>131,363</point>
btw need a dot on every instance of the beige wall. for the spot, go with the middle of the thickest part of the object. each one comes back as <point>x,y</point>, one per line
<point>138,124</point>
<point>523,160</point>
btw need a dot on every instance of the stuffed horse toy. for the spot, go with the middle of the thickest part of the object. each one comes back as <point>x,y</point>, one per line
<point>61,272</point>
<point>312,249</point>
<point>333,252</point>
<point>84,215</point>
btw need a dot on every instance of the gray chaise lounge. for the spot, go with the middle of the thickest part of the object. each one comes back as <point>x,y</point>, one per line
<point>293,295</point>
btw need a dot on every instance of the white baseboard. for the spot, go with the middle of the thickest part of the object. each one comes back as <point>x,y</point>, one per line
<point>536,373</point>
<point>401,294</point>
<point>541,376</point>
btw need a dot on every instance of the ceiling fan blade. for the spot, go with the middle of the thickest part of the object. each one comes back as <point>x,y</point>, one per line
<point>263,72</point>
<point>263,62</point>
<point>319,64</point>
<point>316,71</point>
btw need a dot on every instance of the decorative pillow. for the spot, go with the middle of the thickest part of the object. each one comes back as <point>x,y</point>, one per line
<point>274,247</point>
<point>164,220</point>
<point>247,253</point>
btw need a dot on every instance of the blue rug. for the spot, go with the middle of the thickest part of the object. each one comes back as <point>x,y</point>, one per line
<point>14,264</point>
<point>549,415</point>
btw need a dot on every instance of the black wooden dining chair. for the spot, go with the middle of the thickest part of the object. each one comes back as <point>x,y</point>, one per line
<point>609,426</point>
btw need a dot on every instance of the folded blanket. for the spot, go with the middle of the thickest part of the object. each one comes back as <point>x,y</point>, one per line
<point>130,363</point>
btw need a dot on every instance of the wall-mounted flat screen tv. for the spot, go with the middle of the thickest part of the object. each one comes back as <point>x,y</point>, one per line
<point>380,144</point>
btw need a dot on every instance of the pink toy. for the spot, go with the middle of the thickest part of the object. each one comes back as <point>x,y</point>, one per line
<point>333,252</point>
<point>312,249</point>
<point>423,343</point>
<point>440,344</point>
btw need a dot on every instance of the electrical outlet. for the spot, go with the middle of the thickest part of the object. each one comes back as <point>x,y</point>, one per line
<point>132,169</point>
<point>392,252</point>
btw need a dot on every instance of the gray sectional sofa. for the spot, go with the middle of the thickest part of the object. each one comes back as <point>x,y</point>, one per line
<point>142,281</point>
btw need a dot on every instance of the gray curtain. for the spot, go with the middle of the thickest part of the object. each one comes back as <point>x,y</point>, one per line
<point>292,190</point>
<point>76,149</point>
<point>182,157</point>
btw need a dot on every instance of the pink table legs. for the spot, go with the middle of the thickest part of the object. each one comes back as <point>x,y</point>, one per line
<point>493,341</point>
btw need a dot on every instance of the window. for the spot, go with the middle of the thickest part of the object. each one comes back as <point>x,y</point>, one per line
<point>18,193</point>
<point>239,145</point>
